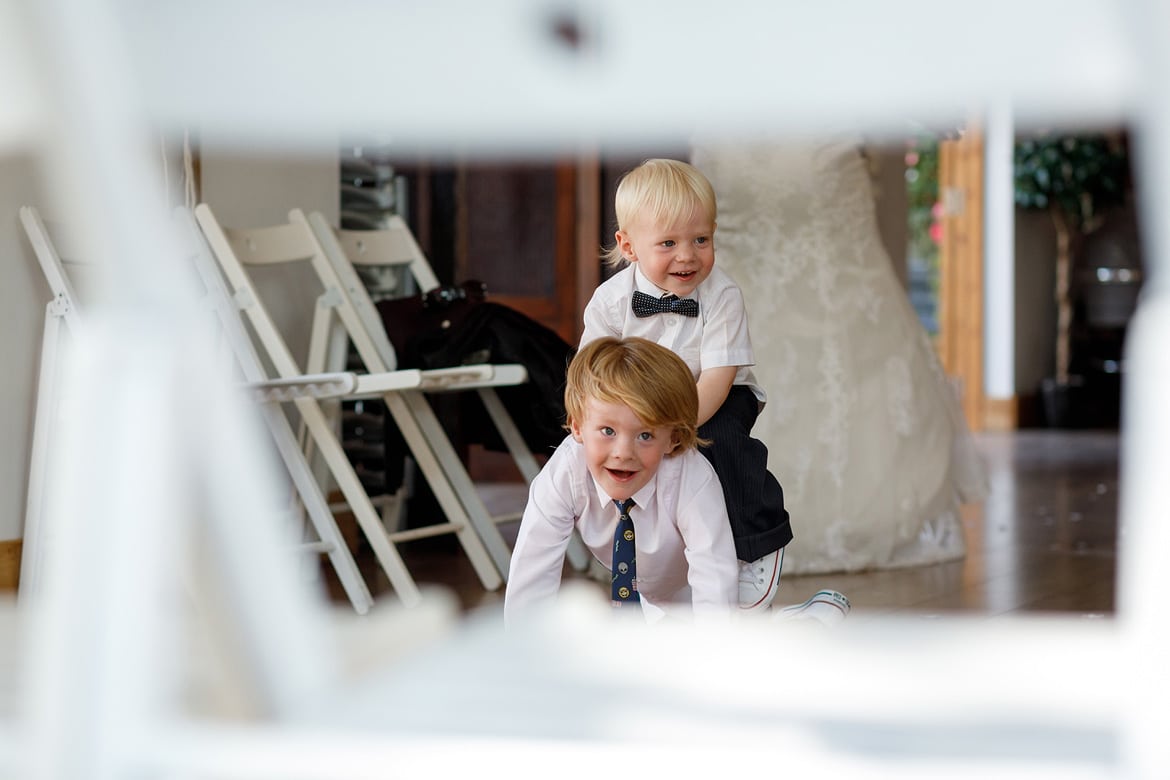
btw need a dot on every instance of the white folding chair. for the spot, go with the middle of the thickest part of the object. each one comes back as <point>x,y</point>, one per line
<point>395,246</point>
<point>62,266</point>
<point>239,253</point>
<point>271,394</point>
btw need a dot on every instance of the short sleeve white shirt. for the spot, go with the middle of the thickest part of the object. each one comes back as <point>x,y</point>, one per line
<point>718,337</point>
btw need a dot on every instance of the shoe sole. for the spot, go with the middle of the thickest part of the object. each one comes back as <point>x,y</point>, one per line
<point>829,597</point>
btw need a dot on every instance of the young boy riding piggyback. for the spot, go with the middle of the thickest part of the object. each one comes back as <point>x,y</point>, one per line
<point>669,291</point>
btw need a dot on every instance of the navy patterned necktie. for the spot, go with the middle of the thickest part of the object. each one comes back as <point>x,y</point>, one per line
<point>647,305</point>
<point>625,584</point>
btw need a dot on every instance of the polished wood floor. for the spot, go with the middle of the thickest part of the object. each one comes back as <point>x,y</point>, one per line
<point>1044,541</point>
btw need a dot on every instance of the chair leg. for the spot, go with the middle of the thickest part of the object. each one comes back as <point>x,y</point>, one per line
<point>359,503</point>
<point>511,435</point>
<point>444,472</point>
<point>48,389</point>
<point>308,488</point>
<point>577,553</point>
<point>456,472</point>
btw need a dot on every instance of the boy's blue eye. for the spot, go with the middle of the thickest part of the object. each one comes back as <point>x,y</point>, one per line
<point>607,431</point>
<point>702,240</point>
<point>668,243</point>
<point>645,436</point>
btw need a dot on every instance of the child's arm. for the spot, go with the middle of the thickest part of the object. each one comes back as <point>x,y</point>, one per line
<point>710,550</point>
<point>599,321</point>
<point>726,347</point>
<point>534,575</point>
<point>714,385</point>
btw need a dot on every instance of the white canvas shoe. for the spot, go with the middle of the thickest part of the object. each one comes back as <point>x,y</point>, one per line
<point>758,581</point>
<point>827,607</point>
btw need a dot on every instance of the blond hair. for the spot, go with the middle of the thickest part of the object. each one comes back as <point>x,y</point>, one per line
<point>652,381</point>
<point>664,191</point>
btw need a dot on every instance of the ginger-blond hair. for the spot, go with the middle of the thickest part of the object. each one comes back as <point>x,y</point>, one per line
<point>652,381</point>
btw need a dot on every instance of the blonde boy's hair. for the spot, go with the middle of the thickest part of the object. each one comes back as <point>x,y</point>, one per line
<point>652,381</point>
<point>665,192</point>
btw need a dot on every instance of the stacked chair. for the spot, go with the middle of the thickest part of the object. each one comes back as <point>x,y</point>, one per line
<point>275,252</point>
<point>394,246</point>
<point>226,262</point>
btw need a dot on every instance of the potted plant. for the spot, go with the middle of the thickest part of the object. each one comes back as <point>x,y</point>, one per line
<point>1075,178</point>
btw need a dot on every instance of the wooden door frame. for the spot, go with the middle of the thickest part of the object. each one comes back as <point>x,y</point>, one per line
<point>575,254</point>
<point>960,336</point>
<point>557,311</point>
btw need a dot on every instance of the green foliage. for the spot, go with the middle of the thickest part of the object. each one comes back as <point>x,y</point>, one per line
<point>1080,175</point>
<point>925,228</point>
<point>922,195</point>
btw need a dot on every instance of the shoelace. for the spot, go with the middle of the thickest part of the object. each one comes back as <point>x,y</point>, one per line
<point>748,573</point>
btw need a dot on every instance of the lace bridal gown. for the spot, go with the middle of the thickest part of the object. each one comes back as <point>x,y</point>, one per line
<point>863,431</point>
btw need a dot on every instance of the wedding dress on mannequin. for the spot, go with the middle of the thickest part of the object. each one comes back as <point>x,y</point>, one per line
<point>863,430</point>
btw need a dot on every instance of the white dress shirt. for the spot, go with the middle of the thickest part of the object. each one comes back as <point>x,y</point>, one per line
<point>718,337</point>
<point>682,536</point>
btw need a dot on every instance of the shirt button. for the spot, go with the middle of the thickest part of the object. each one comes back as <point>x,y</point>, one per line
<point>672,321</point>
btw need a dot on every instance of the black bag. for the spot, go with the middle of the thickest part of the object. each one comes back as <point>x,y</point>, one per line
<point>420,325</point>
<point>453,326</point>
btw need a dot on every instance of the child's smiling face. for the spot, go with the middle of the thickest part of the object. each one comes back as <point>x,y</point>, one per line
<point>622,452</point>
<point>676,258</point>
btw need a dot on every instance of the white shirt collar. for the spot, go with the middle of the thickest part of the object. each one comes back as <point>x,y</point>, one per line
<point>641,498</point>
<point>642,284</point>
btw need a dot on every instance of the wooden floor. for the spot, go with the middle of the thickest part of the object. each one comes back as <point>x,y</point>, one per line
<point>1045,541</point>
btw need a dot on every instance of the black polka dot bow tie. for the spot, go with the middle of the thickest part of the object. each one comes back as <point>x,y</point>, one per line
<point>646,305</point>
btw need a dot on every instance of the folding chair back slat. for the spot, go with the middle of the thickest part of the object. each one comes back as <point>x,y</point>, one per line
<point>59,264</point>
<point>355,309</point>
<point>273,244</point>
<point>395,245</point>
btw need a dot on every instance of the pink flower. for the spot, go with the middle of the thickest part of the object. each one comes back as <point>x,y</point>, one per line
<point>937,211</point>
<point>935,231</point>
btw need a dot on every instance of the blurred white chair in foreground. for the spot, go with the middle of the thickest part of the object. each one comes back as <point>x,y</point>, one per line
<point>67,270</point>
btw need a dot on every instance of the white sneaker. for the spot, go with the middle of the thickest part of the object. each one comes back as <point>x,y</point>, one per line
<point>759,580</point>
<point>827,607</point>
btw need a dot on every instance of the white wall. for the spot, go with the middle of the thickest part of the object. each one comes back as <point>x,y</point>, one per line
<point>255,188</point>
<point>23,295</point>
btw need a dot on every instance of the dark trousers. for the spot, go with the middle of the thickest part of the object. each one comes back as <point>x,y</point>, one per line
<point>755,500</point>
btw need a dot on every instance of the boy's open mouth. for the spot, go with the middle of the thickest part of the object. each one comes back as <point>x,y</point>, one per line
<point>621,476</point>
<point>684,275</point>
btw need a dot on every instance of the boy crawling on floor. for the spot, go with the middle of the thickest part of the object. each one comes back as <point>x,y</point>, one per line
<point>630,479</point>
